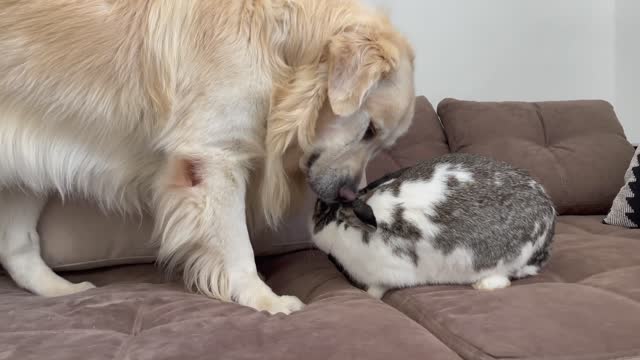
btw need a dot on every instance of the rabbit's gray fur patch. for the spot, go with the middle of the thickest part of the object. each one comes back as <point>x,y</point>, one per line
<point>487,209</point>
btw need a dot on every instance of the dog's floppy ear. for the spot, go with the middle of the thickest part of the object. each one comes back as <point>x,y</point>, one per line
<point>357,61</point>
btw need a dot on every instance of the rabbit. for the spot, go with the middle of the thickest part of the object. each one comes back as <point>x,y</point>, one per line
<point>457,219</point>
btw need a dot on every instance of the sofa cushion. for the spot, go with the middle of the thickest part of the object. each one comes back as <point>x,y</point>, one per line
<point>584,305</point>
<point>135,315</point>
<point>576,149</point>
<point>77,235</point>
<point>424,140</point>
<point>625,210</point>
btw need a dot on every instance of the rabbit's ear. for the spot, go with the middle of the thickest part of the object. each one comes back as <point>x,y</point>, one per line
<point>361,216</point>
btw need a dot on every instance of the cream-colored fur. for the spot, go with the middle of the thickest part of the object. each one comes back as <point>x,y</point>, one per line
<point>205,112</point>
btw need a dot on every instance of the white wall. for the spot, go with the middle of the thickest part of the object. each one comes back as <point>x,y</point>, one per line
<point>516,50</point>
<point>627,89</point>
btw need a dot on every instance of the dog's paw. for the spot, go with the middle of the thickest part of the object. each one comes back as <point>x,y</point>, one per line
<point>255,294</point>
<point>68,289</point>
<point>274,304</point>
<point>284,304</point>
<point>493,282</point>
<point>290,304</point>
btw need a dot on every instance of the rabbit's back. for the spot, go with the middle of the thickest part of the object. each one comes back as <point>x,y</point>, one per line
<point>466,214</point>
<point>457,219</point>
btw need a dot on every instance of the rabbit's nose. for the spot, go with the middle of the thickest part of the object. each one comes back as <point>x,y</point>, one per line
<point>347,194</point>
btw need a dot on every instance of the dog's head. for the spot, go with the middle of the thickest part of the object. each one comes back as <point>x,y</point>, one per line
<point>370,104</point>
<point>337,116</point>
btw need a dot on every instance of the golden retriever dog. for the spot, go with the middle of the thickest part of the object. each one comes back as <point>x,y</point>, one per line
<point>213,115</point>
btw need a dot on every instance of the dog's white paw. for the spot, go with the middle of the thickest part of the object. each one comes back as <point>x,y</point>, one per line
<point>492,282</point>
<point>275,304</point>
<point>68,289</point>
<point>287,304</point>
<point>254,293</point>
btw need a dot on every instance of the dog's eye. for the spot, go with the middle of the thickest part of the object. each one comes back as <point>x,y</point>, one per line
<point>371,132</point>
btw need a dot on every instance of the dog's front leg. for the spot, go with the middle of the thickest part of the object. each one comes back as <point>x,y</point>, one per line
<point>200,215</point>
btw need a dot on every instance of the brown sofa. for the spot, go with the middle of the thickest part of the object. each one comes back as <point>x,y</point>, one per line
<point>584,305</point>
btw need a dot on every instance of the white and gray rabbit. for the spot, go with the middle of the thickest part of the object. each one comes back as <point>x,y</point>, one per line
<point>457,219</point>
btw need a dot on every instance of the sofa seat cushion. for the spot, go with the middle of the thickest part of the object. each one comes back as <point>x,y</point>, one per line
<point>576,149</point>
<point>584,305</point>
<point>134,314</point>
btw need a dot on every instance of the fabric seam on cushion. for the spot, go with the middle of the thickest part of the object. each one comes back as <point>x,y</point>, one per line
<point>557,278</point>
<point>96,264</point>
<point>559,171</point>
<point>444,132</point>
<point>578,246</point>
<point>586,245</point>
<point>608,272</point>
<point>451,340</point>
<point>310,298</point>
<point>623,230</point>
<point>447,138</point>
<point>427,320</point>
<point>66,331</point>
<point>611,230</point>
<point>441,108</point>
<point>135,330</point>
<point>544,127</point>
<point>629,355</point>
<point>295,243</point>
<point>614,294</point>
<point>404,315</point>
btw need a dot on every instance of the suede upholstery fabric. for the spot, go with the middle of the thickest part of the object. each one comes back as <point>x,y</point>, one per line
<point>584,305</point>
<point>576,149</point>
<point>77,235</point>
<point>135,315</point>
